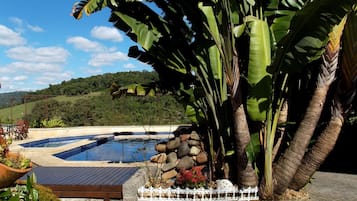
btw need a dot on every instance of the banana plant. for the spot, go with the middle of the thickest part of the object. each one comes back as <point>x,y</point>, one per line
<point>232,63</point>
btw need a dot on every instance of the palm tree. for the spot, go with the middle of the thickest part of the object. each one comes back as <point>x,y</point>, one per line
<point>231,63</point>
<point>344,94</point>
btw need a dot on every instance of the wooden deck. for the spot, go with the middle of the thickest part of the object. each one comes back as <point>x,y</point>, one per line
<point>84,182</point>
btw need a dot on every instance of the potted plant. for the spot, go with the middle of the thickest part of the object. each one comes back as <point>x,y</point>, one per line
<point>12,165</point>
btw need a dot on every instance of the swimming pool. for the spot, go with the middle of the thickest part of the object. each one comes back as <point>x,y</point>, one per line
<point>113,151</point>
<point>55,142</point>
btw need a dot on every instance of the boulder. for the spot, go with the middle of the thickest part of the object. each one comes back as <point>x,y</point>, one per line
<point>194,151</point>
<point>185,137</point>
<point>202,157</point>
<point>173,144</point>
<point>159,158</point>
<point>185,163</point>
<point>168,175</point>
<point>161,147</point>
<point>195,136</point>
<point>194,142</point>
<point>183,149</point>
<point>169,166</point>
<point>171,157</point>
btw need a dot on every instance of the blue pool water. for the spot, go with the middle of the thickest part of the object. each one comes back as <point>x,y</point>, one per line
<point>126,151</point>
<point>55,142</point>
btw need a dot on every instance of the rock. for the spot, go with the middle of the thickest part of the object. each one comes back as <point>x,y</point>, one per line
<point>171,157</point>
<point>224,184</point>
<point>161,147</point>
<point>195,136</point>
<point>169,166</point>
<point>202,157</point>
<point>168,175</point>
<point>173,144</point>
<point>185,163</point>
<point>159,158</point>
<point>194,142</point>
<point>185,137</point>
<point>194,151</point>
<point>170,183</point>
<point>183,149</point>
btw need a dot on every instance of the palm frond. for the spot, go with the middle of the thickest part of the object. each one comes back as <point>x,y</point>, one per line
<point>87,6</point>
<point>308,34</point>
<point>349,51</point>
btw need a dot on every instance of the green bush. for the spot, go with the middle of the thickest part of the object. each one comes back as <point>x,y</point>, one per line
<point>29,191</point>
<point>52,123</point>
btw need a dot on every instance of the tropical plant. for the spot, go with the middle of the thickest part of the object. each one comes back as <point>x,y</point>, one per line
<point>249,74</point>
<point>11,160</point>
<point>22,192</point>
<point>53,123</point>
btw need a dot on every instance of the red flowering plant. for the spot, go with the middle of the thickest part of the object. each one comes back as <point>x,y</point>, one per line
<point>191,178</point>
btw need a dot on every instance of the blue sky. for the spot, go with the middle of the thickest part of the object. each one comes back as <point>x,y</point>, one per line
<point>41,44</point>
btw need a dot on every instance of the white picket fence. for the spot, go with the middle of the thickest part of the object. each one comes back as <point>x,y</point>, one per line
<point>201,194</point>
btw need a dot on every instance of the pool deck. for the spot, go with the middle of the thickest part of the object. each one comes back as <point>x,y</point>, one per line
<point>84,182</point>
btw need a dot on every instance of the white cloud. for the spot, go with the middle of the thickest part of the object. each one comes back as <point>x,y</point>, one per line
<point>4,79</point>
<point>94,71</point>
<point>34,67</point>
<point>20,25</point>
<point>102,59</point>
<point>9,37</point>
<point>85,45</point>
<point>129,66</point>
<point>35,28</point>
<point>5,70</point>
<point>20,78</point>
<point>42,54</point>
<point>49,77</point>
<point>16,21</point>
<point>106,33</point>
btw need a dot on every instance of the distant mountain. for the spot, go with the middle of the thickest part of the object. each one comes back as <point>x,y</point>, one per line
<point>11,98</point>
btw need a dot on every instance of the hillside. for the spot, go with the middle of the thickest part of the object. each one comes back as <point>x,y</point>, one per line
<point>87,101</point>
<point>12,98</point>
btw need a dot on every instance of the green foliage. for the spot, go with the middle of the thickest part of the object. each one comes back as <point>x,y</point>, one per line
<point>45,194</point>
<point>81,86</point>
<point>21,192</point>
<point>52,123</point>
<point>101,110</point>
<point>29,191</point>
<point>97,107</point>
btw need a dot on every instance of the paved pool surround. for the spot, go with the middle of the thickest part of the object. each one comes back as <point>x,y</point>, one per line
<point>44,156</point>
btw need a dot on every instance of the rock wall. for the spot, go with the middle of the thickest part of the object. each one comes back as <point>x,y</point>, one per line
<point>181,152</point>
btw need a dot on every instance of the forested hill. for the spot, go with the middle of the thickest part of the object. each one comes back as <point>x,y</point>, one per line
<point>87,102</point>
<point>12,98</point>
<point>81,86</point>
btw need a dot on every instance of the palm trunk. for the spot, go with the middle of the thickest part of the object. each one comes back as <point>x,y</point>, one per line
<point>245,172</point>
<point>288,164</point>
<point>318,153</point>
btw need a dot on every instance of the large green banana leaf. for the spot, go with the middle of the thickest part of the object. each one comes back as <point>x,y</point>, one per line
<point>308,34</point>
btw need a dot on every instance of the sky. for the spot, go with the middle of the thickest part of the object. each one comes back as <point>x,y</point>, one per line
<point>42,44</point>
